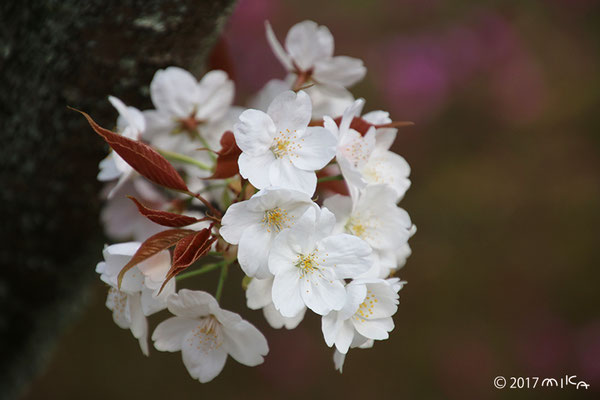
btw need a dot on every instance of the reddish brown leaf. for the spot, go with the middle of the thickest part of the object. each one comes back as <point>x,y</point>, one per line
<point>154,244</point>
<point>143,158</point>
<point>227,160</point>
<point>188,251</point>
<point>165,218</point>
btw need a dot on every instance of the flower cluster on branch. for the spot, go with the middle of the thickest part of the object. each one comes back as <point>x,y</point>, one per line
<point>300,190</point>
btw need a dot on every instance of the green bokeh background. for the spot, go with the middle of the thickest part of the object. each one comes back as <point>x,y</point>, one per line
<point>505,161</point>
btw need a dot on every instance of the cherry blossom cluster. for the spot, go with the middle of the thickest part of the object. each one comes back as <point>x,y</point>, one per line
<point>300,190</point>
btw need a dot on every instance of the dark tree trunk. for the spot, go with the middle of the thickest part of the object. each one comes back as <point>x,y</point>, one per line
<point>53,54</point>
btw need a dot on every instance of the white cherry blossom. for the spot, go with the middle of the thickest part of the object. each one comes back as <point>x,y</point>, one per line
<point>258,295</point>
<point>353,149</point>
<point>279,148</point>
<point>366,315</point>
<point>372,216</point>
<point>139,295</point>
<point>310,264</point>
<point>130,124</point>
<point>384,166</point>
<point>308,54</point>
<point>188,112</point>
<point>205,334</point>
<point>253,225</point>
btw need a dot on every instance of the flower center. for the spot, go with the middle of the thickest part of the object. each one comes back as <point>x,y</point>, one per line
<point>285,144</point>
<point>308,263</point>
<point>276,219</point>
<point>365,310</point>
<point>356,227</point>
<point>119,301</point>
<point>206,336</point>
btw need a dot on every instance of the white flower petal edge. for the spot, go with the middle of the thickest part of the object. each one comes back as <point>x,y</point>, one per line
<point>309,265</point>
<point>205,334</point>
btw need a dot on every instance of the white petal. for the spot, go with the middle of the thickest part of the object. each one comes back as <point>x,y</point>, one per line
<point>255,132</point>
<point>169,334</point>
<point>215,95</point>
<point>330,326</point>
<point>152,301</point>
<point>329,99</point>
<point>108,169</point>
<point>158,124</point>
<point>341,207</point>
<point>128,116</point>
<point>278,321</point>
<point>117,302</point>
<point>316,148</point>
<point>174,90</point>
<point>253,251</point>
<point>278,50</point>
<point>256,168</point>
<point>191,303</point>
<point>284,174</point>
<point>355,295</point>
<point>245,343</point>
<point>374,329</point>
<point>322,293</point>
<point>156,267</point>
<point>347,255</point>
<point>340,70</point>
<point>307,42</point>
<point>283,253</point>
<point>290,111</point>
<point>387,300</point>
<point>139,324</point>
<point>386,167</point>
<point>286,293</point>
<point>338,360</point>
<point>236,220</point>
<point>204,361</point>
<point>267,94</point>
<point>258,294</point>
<point>344,337</point>
<point>324,224</point>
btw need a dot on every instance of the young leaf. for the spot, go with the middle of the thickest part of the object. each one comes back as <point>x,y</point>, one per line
<point>188,251</point>
<point>143,158</point>
<point>165,218</point>
<point>154,244</point>
<point>227,160</point>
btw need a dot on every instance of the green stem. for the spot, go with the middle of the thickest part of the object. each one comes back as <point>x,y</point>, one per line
<point>206,268</point>
<point>331,178</point>
<point>205,144</point>
<point>222,278</point>
<point>184,159</point>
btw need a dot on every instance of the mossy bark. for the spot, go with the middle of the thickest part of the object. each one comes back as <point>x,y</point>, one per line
<point>53,54</point>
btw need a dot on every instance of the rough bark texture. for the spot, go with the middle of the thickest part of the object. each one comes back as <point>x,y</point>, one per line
<point>54,54</point>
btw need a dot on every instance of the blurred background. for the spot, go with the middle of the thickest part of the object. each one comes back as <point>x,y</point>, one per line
<point>504,275</point>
